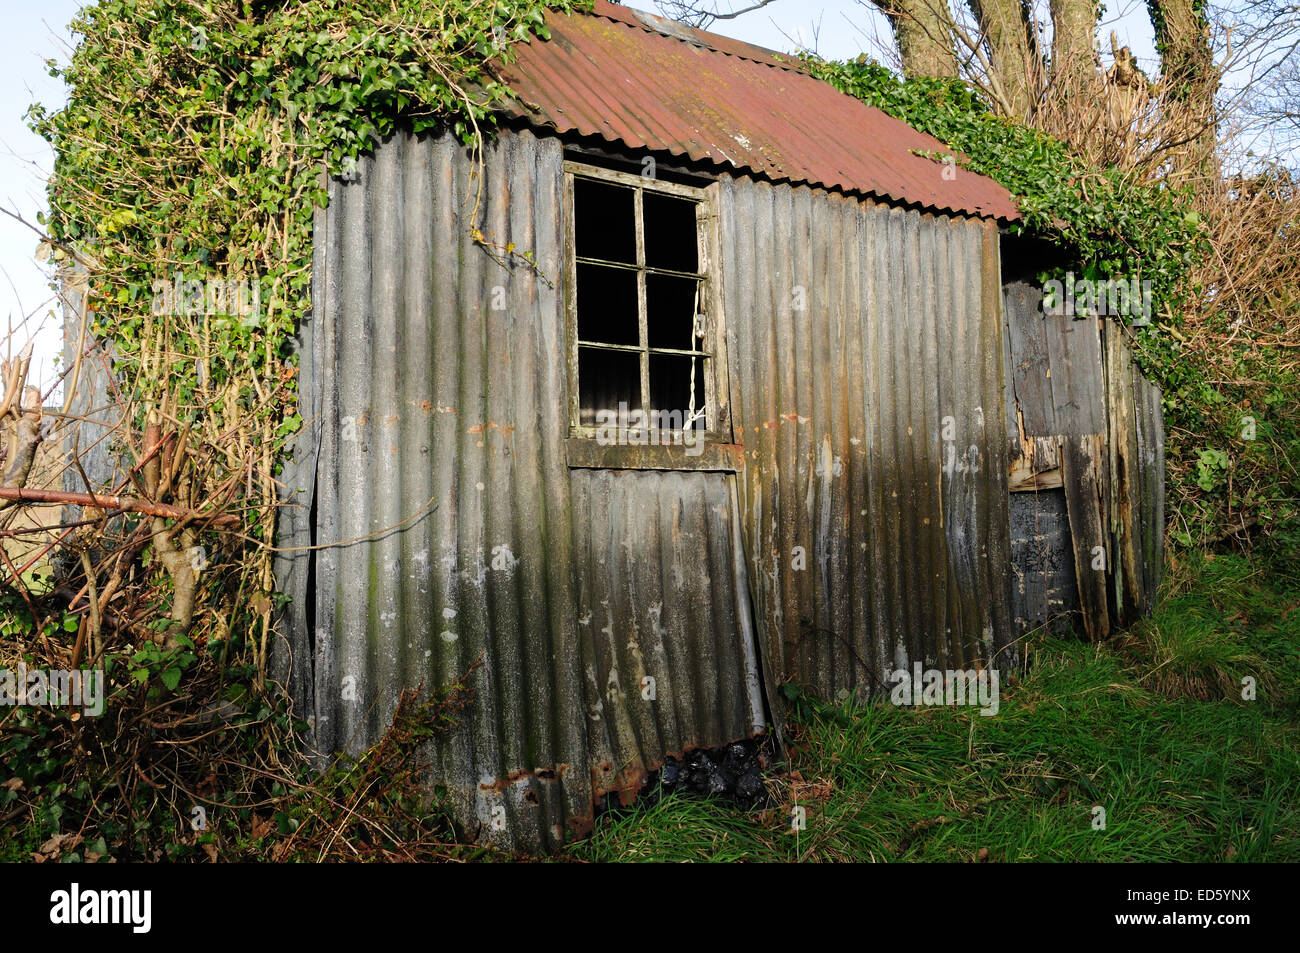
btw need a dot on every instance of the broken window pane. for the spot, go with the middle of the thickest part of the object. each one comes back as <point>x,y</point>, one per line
<point>605,224</point>
<point>671,307</point>
<point>607,305</point>
<point>670,240</point>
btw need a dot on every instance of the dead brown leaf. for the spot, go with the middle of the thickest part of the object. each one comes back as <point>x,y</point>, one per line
<point>55,846</point>
<point>802,791</point>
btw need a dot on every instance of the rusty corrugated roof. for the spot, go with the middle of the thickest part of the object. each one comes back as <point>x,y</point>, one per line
<point>649,83</point>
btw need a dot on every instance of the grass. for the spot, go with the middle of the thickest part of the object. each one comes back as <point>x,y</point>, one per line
<point>1151,727</point>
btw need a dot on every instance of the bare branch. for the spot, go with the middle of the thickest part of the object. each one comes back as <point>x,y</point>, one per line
<point>703,13</point>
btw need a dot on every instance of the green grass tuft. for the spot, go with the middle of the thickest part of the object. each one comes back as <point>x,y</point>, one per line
<point>1151,727</point>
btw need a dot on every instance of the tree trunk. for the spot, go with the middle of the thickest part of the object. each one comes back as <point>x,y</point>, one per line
<point>1014,52</point>
<point>923,31</point>
<point>1189,75</point>
<point>1075,67</point>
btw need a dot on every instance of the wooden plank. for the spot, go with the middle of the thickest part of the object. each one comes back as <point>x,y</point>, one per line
<point>568,250</point>
<point>1010,408</point>
<point>1028,473</point>
<point>1036,465</point>
<point>582,170</point>
<point>1150,448</point>
<point>1030,369</point>
<point>1125,465</point>
<point>585,453</point>
<point>1078,398</point>
<point>1045,594</point>
<point>1157,471</point>
<point>1082,464</point>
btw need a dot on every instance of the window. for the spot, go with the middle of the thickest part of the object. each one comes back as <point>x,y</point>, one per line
<point>644,343</point>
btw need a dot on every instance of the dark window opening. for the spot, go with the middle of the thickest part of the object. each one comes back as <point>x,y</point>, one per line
<point>642,342</point>
<point>606,224</point>
<point>609,378</point>
<point>670,233</point>
<point>607,305</point>
<point>670,389</point>
<point>671,306</point>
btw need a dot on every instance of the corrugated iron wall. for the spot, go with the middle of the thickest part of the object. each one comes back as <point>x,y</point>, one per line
<point>439,520</point>
<point>440,423</point>
<point>454,530</point>
<point>865,350</point>
<point>664,617</point>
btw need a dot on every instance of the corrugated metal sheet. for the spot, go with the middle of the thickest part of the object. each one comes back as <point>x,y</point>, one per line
<point>93,404</point>
<point>875,500</point>
<point>665,619</point>
<point>455,529</point>
<point>640,81</point>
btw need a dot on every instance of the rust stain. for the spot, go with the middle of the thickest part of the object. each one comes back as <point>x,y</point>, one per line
<point>581,825</point>
<point>792,418</point>
<point>514,777</point>
<point>506,430</point>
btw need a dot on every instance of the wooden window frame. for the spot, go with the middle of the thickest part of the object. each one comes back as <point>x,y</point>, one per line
<point>584,449</point>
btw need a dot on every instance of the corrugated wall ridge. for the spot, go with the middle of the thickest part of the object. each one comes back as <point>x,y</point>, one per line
<point>866,367</point>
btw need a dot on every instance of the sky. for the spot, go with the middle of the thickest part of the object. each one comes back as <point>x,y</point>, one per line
<point>37,31</point>
<point>34,33</point>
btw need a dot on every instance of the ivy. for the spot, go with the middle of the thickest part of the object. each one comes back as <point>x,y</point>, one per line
<point>1106,225</point>
<point>188,167</point>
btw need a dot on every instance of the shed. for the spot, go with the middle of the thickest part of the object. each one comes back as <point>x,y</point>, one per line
<point>726,396</point>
